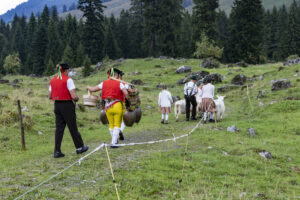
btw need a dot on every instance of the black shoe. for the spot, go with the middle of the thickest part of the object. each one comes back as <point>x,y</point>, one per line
<point>211,120</point>
<point>166,121</point>
<point>204,122</point>
<point>82,149</point>
<point>162,121</point>
<point>187,119</point>
<point>58,154</point>
<point>194,118</point>
<point>113,146</point>
<point>121,136</point>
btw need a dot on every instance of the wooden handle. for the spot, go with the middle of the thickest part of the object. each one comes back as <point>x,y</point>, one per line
<point>120,81</point>
<point>89,93</point>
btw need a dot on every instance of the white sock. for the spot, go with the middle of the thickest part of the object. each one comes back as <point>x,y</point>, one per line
<point>167,116</point>
<point>212,115</point>
<point>115,136</point>
<point>205,116</point>
<point>111,132</point>
<point>162,116</point>
<point>123,126</point>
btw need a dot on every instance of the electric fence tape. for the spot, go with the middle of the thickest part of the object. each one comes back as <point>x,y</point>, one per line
<point>105,145</point>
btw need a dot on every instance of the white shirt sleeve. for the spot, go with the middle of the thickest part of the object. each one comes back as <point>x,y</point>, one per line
<point>70,84</point>
<point>213,91</point>
<point>50,89</point>
<point>100,86</point>
<point>122,86</point>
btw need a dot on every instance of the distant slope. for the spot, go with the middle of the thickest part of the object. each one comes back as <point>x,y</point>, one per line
<point>113,6</point>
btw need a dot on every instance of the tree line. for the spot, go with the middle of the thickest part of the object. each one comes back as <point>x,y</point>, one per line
<point>148,28</point>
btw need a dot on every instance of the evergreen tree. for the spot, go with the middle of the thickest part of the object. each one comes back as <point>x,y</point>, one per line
<point>136,29</point>
<point>40,47</point>
<point>54,46</point>
<point>71,36</point>
<point>45,17</point>
<point>54,14</point>
<point>294,29</point>
<point>170,18</point>
<point>3,51</point>
<point>50,70</point>
<point>204,14</point>
<point>151,25</point>
<point>64,8</point>
<point>246,37</point>
<point>18,45</point>
<point>185,37</point>
<point>93,29</point>
<point>282,51</point>
<point>223,29</point>
<point>110,46</point>
<point>68,56</point>
<point>80,55</point>
<point>30,32</point>
<point>86,71</point>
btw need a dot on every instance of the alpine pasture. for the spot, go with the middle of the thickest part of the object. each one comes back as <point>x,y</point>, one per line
<point>217,164</point>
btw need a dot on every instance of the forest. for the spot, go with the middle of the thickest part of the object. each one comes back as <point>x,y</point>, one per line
<point>150,28</point>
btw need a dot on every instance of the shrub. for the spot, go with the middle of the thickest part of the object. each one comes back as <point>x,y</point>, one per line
<point>292,57</point>
<point>207,48</point>
<point>12,64</point>
<point>86,71</point>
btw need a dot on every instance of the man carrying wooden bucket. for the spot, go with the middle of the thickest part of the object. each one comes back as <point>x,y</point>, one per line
<point>62,91</point>
<point>113,91</point>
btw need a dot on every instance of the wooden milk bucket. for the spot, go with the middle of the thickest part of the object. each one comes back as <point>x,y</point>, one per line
<point>90,100</point>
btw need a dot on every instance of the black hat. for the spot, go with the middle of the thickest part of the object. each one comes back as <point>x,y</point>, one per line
<point>65,66</point>
<point>115,70</point>
<point>194,78</point>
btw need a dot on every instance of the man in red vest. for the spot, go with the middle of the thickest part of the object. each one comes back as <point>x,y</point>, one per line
<point>63,92</point>
<point>113,92</point>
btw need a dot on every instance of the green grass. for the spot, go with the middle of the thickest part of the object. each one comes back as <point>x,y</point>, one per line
<point>153,171</point>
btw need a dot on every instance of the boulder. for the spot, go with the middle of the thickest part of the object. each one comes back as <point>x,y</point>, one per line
<point>281,84</point>
<point>292,62</point>
<point>239,79</point>
<point>241,64</point>
<point>210,63</point>
<point>99,66</point>
<point>16,81</point>
<point>3,81</point>
<point>4,96</point>
<point>182,81</point>
<point>251,132</point>
<point>162,57</point>
<point>232,129</point>
<point>199,75</point>
<point>261,94</point>
<point>267,155</point>
<point>215,78</point>
<point>137,82</point>
<point>72,73</point>
<point>225,88</point>
<point>183,69</point>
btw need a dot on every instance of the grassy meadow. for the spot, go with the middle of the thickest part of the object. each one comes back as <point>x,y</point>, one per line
<point>218,164</point>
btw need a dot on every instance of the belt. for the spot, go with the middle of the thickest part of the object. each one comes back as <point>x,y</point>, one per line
<point>63,101</point>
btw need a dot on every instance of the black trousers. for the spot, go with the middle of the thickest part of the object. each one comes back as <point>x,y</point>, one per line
<point>65,115</point>
<point>188,101</point>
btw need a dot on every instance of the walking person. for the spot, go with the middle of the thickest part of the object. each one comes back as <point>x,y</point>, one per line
<point>164,101</point>
<point>113,92</point>
<point>190,90</point>
<point>208,105</point>
<point>62,91</point>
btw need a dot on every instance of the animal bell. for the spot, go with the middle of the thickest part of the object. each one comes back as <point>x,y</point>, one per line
<point>103,117</point>
<point>129,118</point>
<point>138,115</point>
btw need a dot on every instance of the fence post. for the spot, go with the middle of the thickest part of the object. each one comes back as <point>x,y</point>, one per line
<point>21,125</point>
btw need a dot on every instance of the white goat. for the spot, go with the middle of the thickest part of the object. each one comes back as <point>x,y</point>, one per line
<point>220,107</point>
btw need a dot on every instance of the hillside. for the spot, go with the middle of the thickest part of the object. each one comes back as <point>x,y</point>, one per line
<point>113,6</point>
<point>212,163</point>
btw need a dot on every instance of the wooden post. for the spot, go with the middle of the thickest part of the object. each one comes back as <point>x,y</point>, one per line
<point>21,125</point>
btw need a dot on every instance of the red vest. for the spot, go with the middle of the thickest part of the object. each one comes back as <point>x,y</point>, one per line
<point>111,90</point>
<point>59,89</point>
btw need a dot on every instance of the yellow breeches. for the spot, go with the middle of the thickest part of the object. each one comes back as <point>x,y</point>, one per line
<point>115,115</point>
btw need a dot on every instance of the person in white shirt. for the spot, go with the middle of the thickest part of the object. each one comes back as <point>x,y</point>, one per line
<point>164,101</point>
<point>190,90</point>
<point>208,105</point>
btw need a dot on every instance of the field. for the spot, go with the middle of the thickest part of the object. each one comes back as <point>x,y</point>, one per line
<point>217,164</point>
